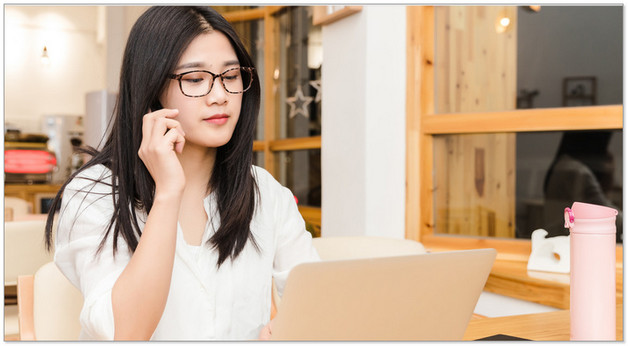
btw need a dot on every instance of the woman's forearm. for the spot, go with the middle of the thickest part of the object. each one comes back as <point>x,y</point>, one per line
<point>139,295</point>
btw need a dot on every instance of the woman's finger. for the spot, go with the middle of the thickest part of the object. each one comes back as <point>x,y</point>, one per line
<point>148,121</point>
<point>147,125</point>
<point>176,139</point>
<point>162,125</point>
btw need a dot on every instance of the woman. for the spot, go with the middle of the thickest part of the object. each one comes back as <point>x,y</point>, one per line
<point>582,171</point>
<point>169,231</point>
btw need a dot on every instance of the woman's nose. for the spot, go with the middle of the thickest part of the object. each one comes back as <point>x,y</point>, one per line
<point>217,94</point>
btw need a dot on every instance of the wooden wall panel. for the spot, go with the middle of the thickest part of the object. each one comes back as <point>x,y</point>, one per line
<point>475,72</point>
<point>476,66</point>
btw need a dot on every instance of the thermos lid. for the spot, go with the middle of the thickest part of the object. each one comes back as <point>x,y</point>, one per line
<point>585,213</point>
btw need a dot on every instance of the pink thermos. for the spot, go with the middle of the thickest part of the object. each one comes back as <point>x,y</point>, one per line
<point>592,283</point>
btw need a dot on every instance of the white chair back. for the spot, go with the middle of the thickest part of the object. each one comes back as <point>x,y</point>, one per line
<point>57,305</point>
<point>24,249</point>
<point>341,248</point>
<point>17,206</point>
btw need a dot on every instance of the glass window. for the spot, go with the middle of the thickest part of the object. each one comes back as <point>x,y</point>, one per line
<point>299,74</point>
<point>252,36</point>
<point>477,175</point>
<point>496,58</point>
<point>569,56</point>
<point>300,171</point>
<point>258,158</point>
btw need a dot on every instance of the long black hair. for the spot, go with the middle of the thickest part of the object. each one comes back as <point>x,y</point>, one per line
<point>590,147</point>
<point>154,47</point>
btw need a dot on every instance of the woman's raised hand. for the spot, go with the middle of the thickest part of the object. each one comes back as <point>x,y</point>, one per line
<point>162,138</point>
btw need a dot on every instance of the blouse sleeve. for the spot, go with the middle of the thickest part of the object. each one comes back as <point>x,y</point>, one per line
<point>86,210</point>
<point>293,241</point>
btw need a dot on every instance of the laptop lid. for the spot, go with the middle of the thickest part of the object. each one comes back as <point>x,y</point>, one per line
<point>421,297</point>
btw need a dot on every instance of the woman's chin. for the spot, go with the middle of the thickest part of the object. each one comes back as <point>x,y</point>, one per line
<point>217,142</point>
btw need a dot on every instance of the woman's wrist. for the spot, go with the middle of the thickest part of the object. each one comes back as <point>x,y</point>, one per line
<point>170,195</point>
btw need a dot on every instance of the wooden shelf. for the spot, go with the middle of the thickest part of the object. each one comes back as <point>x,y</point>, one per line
<point>301,143</point>
<point>31,193</point>
<point>524,120</point>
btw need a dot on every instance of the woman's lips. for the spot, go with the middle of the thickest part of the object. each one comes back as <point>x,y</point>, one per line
<point>218,119</point>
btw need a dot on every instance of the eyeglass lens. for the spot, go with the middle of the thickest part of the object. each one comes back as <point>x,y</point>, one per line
<point>198,83</point>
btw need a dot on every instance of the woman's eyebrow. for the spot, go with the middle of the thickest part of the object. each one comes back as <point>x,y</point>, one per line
<point>194,64</point>
<point>231,63</point>
<point>198,64</point>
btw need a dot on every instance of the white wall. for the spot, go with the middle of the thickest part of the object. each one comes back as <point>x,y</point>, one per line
<point>343,159</point>
<point>77,63</point>
<point>363,142</point>
<point>119,21</point>
<point>85,45</point>
<point>116,40</point>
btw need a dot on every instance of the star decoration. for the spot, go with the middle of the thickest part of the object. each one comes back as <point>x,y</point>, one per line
<point>298,103</point>
<point>316,84</point>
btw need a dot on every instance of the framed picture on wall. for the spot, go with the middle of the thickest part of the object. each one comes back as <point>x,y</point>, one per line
<point>579,91</point>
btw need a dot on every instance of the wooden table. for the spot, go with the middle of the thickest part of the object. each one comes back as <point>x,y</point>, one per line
<point>510,276</point>
<point>547,326</point>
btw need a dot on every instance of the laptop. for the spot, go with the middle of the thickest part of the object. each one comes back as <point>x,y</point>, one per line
<point>420,297</point>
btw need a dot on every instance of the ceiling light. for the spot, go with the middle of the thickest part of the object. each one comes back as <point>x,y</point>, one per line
<point>45,59</point>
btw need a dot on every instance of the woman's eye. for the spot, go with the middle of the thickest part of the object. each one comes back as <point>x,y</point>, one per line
<point>231,75</point>
<point>192,80</point>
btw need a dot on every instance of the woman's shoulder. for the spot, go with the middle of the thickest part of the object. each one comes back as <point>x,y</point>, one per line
<point>93,177</point>
<point>269,187</point>
<point>567,163</point>
<point>275,200</point>
<point>264,179</point>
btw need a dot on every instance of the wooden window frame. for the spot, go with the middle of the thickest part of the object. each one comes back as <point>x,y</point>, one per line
<point>271,145</point>
<point>422,124</point>
<point>324,15</point>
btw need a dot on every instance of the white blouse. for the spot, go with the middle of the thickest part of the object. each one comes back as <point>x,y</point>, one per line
<point>204,303</point>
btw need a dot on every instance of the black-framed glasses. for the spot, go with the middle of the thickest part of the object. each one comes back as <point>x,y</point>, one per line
<point>199,83</point>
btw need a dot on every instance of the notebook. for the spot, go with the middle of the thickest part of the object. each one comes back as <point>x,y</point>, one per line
<point>420,297</point>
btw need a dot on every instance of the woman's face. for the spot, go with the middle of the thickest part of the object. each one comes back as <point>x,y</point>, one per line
<point>208,121</point>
